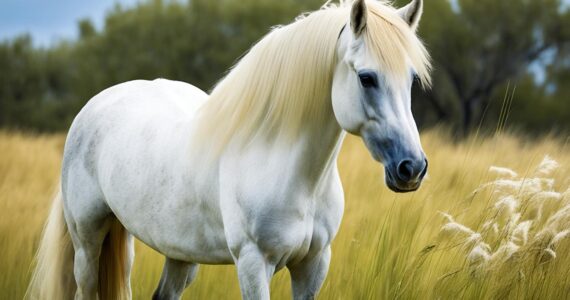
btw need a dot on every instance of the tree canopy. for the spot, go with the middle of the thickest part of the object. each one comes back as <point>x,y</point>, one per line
<point>479,47</point>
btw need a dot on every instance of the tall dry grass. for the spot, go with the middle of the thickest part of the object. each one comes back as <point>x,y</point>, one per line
<point>471,231</point>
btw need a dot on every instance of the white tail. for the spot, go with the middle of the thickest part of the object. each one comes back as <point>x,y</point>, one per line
<point>112,263</point>
<point>53,276</point>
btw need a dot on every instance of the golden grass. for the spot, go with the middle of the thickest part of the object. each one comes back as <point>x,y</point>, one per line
<point>389,245</point>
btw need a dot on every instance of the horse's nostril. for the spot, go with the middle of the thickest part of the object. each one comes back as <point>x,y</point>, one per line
<point>409,170</point>
<point>424,171</point>
<point>405,170</point>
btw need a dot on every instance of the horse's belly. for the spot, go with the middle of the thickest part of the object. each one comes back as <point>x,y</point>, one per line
<point>192,240</point>
<point>161,203</point>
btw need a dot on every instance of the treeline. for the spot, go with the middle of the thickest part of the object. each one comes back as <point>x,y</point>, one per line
<point>479,47</point>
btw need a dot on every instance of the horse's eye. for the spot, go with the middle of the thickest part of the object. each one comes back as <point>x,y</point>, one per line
<point>367,79</point>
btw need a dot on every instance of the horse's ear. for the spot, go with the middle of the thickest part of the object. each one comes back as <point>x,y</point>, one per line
<point>358,17</point>
<point>412,13</point>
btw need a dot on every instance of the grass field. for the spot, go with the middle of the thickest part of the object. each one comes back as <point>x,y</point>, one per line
<point>454,238</point>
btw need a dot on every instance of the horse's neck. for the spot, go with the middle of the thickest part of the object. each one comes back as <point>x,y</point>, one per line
<point>321,146</point>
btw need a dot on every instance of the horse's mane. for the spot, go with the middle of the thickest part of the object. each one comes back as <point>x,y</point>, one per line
<point>284,82</point>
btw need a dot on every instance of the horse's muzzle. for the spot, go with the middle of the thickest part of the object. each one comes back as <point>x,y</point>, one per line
<point>406,175</point>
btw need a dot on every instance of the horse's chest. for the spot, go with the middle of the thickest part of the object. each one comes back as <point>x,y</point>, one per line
<point>279,203</point>
<point>289,231</point>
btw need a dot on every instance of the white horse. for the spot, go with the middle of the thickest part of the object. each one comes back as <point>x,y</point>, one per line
<point>246,175</point>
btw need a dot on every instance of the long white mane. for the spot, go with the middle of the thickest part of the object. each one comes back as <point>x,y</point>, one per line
<point>283,84</point>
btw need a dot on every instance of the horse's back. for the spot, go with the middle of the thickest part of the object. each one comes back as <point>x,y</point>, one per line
<point>157,98</point>
<point>129,111</point>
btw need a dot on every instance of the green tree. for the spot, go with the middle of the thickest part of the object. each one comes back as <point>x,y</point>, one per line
<point>479,45</point>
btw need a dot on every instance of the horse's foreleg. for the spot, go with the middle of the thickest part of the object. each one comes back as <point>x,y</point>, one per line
<point>308,275</point>
<point>176,276</point>
<point>254,273</point>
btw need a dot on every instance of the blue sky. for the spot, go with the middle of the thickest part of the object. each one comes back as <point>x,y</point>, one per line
<point>51,20</point>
